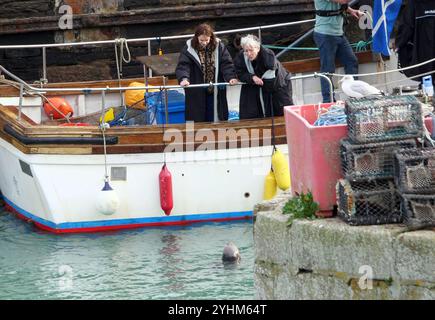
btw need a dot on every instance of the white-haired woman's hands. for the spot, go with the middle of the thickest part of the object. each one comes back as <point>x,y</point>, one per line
<point>257,81</point>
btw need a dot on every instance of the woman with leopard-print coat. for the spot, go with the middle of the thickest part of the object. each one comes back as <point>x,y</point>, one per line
<point>205,59</point>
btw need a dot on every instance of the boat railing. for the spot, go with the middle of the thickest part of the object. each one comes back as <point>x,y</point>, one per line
<point>29,89</point>
<point>148,40</point>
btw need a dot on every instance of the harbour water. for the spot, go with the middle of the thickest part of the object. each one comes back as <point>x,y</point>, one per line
<point>148,263</point>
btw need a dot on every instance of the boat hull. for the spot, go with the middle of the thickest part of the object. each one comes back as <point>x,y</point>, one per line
<point>59,193</point>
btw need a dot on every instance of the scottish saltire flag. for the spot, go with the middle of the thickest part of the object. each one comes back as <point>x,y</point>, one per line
<point>384,15</point>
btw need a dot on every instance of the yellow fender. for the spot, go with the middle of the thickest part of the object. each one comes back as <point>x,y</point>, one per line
<point>269,186</point>
<point>281,170</point>
<point>109,115</point>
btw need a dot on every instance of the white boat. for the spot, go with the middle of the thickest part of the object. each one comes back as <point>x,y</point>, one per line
<point>53,175</point>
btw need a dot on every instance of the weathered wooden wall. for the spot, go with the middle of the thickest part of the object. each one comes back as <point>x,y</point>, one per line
<point>12,9</point>
<point>37,21</point>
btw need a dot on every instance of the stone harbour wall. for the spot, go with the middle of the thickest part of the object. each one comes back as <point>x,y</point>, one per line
<point>328,259</point>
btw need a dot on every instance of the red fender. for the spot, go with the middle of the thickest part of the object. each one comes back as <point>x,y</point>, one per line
<point>165,184</point>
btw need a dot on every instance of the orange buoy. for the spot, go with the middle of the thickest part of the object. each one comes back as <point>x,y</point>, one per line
<point>165,184</point>
<point>57,108</point>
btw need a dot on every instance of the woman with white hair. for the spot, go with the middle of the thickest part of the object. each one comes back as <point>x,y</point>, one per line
<point>268,83</point>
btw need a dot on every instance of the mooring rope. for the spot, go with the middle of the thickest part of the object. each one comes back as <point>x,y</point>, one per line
<point>120,59</point>
<point>410,78</point>
<point>334,115</point>
<point>103,131</point>
<point>359,46</point>
<point>103,127</point>
<point>382,72</point>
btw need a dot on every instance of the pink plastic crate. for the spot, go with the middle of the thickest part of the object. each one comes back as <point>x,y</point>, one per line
<point>314,154</point>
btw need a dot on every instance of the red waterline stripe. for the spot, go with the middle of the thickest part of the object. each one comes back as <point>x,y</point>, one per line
<point>119,227</point>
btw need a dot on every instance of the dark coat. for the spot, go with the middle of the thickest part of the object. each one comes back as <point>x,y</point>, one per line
<point>415,38</point>
<point>276,91</point>
<point>189,67</point>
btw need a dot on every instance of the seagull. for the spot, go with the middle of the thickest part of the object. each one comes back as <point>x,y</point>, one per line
<point>357,88</point>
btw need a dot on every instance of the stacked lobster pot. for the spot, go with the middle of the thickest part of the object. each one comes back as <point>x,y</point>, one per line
<point>378,127</point>
<point>415,179</point>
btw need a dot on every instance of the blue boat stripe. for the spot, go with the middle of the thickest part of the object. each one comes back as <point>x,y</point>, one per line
<point>29,215</point>
<point>121,222</point>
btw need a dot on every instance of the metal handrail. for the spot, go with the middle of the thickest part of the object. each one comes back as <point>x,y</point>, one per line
<point>164,87</point>
<point>16,78</point>
<point>161,88</point>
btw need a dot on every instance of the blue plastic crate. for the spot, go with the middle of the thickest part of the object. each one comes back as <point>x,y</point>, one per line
<point>176,106</point>
<point>175,114</point>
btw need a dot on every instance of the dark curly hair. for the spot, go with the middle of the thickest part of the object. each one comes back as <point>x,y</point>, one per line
<point>206,30</point>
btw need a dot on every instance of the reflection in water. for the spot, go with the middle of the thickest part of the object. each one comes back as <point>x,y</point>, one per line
<point>149,263</point>
<point>171,245</point>
<point>231,265</point>
<point>171,262</point>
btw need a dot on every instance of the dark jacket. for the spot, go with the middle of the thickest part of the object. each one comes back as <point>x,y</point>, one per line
<point>276,90</point>
<point>415,38</point>
<point>189,67</point>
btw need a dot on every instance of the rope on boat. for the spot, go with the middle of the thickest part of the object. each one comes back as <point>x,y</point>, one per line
<point>103,131</point>
<point>362,45</point>
<point>292,48</point>
<point>410,78</point>
<point>122,42</point>
<point>382,72</point>
<point>120,59</point>
<point>103,127</point>
<point>164,122</point>
<point>359,46</point>
<point>273,123</point>
<point>334,115</point>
